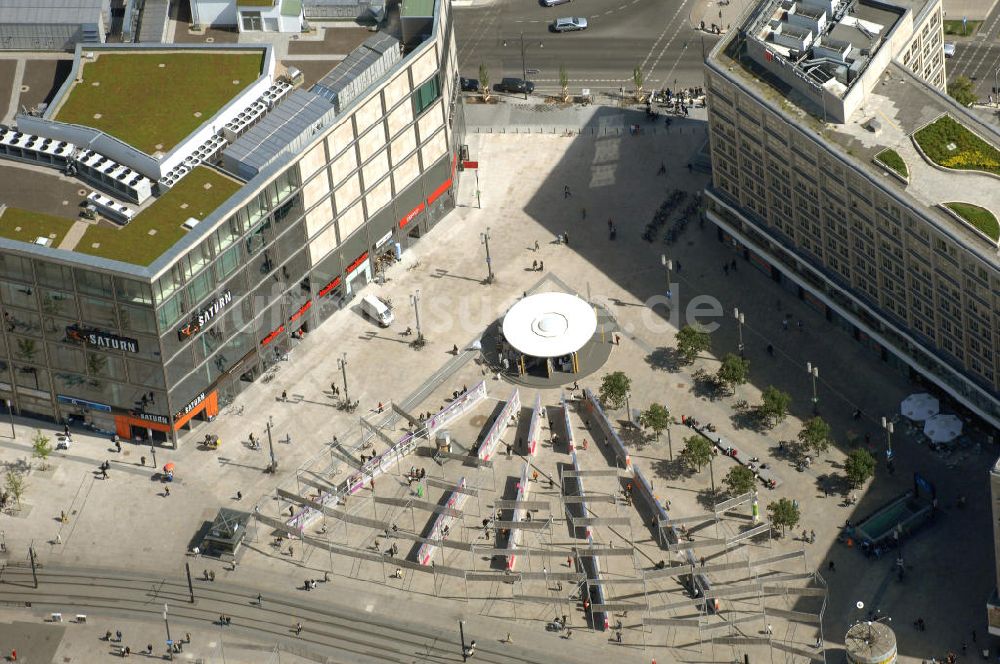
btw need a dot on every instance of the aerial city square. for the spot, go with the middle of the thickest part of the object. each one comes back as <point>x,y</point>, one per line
<point>370,331</point>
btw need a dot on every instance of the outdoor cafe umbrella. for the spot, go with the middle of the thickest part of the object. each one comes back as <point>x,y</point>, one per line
<point>943,428</point>
<point>920,406</point>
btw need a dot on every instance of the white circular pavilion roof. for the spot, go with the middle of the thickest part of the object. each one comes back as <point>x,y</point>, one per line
<point>549,324</point>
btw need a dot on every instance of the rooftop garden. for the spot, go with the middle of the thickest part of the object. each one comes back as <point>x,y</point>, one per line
<point>153,100</point>
<point>158,227</point>
<point>950,144</point>
<point>979,218</point>
<point>28,226</point>
<point>891,160</point>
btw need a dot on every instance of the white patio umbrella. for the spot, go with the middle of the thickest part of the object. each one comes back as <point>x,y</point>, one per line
<point>943,428</point>
<point>920,406</point>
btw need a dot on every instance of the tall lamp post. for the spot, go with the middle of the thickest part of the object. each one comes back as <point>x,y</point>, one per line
<point>813,372</point>
<point>887,425</point>
<point>740,319</point>
<point>485,238</point>
<point>669,265</point>
<point>524,62</point>
<point>342,363</point>
<point>415,300</point>
<point>170,643</point>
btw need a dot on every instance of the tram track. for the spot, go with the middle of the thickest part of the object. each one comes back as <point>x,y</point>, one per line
<point>330,628</point>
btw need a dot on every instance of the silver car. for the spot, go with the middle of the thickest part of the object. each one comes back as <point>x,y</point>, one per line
<point>569,24</point>
<point>553,3</point>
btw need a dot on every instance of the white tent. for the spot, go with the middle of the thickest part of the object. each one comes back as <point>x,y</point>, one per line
<point>920,406</point>
<point>943,428</point>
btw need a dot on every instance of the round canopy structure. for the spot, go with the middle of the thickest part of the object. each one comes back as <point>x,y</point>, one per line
<point>549,325</point>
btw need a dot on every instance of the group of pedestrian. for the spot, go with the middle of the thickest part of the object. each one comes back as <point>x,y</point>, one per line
<point>729,266</point>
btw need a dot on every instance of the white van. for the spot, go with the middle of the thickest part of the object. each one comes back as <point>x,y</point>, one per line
<point>377,310</point>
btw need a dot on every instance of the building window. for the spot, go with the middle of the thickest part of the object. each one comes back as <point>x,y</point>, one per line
<point>251,21</point>
<point>425,95</point>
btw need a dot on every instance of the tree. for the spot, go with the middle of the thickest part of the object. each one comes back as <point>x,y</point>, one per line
<point>691,340</point>
<point>16,485</point>
<point>637,79</point>
<point>484,82</point>
<point>859,466</point>
<point>41,446</point>
<point>564,83</point>
<point>773,405</point>
<point>963,91</point>
<point>784,514</point>
<point>615,389</point>
<point>740,480</point>
<point>697,452</point>
<point>815,435</point>
<point>657,418</point>
<point>734,371</point>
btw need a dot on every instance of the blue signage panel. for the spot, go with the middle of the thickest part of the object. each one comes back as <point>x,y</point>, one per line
<point>61,398</point>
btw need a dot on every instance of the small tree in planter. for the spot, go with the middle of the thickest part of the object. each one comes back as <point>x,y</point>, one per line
<point>41,448</point>
<point>615,388</point>
<point>784,513</point>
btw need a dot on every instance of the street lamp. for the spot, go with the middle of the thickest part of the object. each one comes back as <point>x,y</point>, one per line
<point>485,239</point>
<point>342,363</point>
<point>270,447</point>
<point>814,374</point>
<point>461,633</point>
<point>415,300</point>
<point>170,645</point>
<point>524,65</point>
<point>669,264</point>
<point>887,425</point>
<point>10,411</point>
<point>738,315</point>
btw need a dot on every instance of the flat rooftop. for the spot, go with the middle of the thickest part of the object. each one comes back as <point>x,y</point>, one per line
<point>158,225</point>
<point>897,107</point>
<point>152,101</point>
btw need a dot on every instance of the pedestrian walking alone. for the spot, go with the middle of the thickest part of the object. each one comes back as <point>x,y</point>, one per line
<point>166,491</point>
<point>566,193</point>
<point>298,628</point>
<point>260,600</point>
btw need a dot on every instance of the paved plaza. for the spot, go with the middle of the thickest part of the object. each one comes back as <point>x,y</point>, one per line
<point>533,187</point>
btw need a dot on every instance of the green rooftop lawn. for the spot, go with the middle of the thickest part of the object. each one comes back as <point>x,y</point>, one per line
<point>978,217</point>
<point>970,153</point>
<point>891,159</point>
<point>188,198</point>
<point>146,105</point>
<point>27,226</point>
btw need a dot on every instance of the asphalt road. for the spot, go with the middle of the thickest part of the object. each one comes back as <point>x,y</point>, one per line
<point>978,57</point>
<point>655,35</point>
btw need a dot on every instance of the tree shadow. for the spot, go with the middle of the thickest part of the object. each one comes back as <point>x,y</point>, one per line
<point>708,498</point>
<point>833,484</point>
<point>707,386</point>
<point>671,470</point>
<point>663,359</point>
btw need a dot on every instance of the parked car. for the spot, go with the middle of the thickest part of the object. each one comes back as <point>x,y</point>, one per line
<point>515,85</point>
<point>569,24</point>
<point>949,49</point>
<point>553,3</point>
<point>469,84</point>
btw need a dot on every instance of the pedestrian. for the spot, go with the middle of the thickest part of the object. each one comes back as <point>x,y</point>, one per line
<point>284,395</point>
<point>768,630</point>
<point>508,639</point>
<point>799,324</point>
<point>239,495</point>
<point>229,620</point>
<point>149,648</point>
<point>66,430</point>
<point>187,637</point>
<point>298,628</point>
<point>725,269</point>
<point>291,551</point>
<point>104,473</point>
<point>541,266</point>
<point>784,324</point>
<point>583,214</point>
<point>118,635</point>
<point>770,350</point>
<point>166,491</point>
<point>831,566</point>
<point>211,576</point>
<point>689,163</point>
<point>534,266</point>
<point>260,600</point>
<point>566,238</point>
<point>536,245</point>
<point>973,636</point>
<point>566,193</point>
<point>618,636</point>
<point>678,266</point>
<point>454,349</point>
<point>812,536</point>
